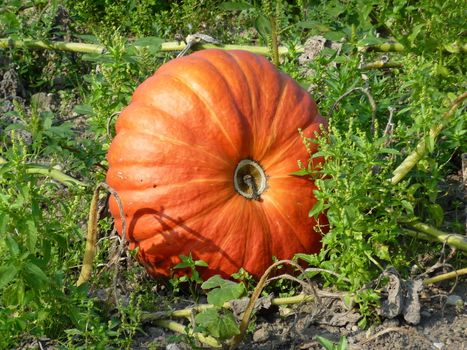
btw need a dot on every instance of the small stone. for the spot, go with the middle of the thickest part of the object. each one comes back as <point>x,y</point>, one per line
<point>260,335</point>
<point>454,300</point>
<point>354,328</point>
<point>438,345</point>
<point>426,314</point>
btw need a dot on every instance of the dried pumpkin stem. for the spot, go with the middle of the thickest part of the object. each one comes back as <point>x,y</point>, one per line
<point>91,237</point>
<point>421,149</point>
<point>256,293</point>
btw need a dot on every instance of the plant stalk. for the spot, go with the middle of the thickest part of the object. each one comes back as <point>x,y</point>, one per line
<point>413,158</point>
<point>91,239</point>
<point>445,276</point>
<point>50,172</point>
<point>452,239</point>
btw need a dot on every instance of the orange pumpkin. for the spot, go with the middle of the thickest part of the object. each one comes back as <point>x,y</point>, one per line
<point>202,161</point>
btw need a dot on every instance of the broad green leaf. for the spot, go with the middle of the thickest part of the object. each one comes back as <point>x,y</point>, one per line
<point>219,325</point>
<point>225,293</point>
<point>213,282</point>
<point>7,274</point>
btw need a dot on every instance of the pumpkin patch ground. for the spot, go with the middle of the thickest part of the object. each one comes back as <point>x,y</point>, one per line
<point>242,175</point>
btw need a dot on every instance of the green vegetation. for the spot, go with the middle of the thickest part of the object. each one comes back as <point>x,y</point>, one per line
<point>58,109</point>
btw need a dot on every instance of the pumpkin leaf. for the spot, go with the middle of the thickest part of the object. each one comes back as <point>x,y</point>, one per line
<point>224,291</point>
<point>219,324</point>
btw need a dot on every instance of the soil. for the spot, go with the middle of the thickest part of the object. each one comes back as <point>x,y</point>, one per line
<point>442,326</point>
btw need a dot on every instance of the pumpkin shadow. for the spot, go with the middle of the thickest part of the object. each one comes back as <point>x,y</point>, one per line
<point>174,232</point>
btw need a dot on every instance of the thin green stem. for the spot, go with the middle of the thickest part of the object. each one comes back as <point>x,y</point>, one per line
<point>55,174</point>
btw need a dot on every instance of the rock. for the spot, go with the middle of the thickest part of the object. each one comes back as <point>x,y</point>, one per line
<point>260,335</point>
<point>438,345</point>
<point>454,300</point>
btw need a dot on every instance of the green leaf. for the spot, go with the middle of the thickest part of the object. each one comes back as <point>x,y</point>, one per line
<point>31,237</point>
<point>334,35</point>
<point>12,246</point>
<point>213,282</point>
<point>235,6</point>
<point>342,345</point>
<point>301,172</point>
<point>222,326</point>
<point>317,209</point>
<point>201,263</point>
<point>430,142</point>
<point>263,26</point>
<point>314,25</point>
<point>328,345</point>
<point>83,109</point>
<point>225,293</point>
<point>407,206</point>
<point>35,276</point>
<point>7,274</point>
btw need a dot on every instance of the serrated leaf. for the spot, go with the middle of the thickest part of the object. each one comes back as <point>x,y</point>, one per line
<point>7,274</point>
<point>225,293</point>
